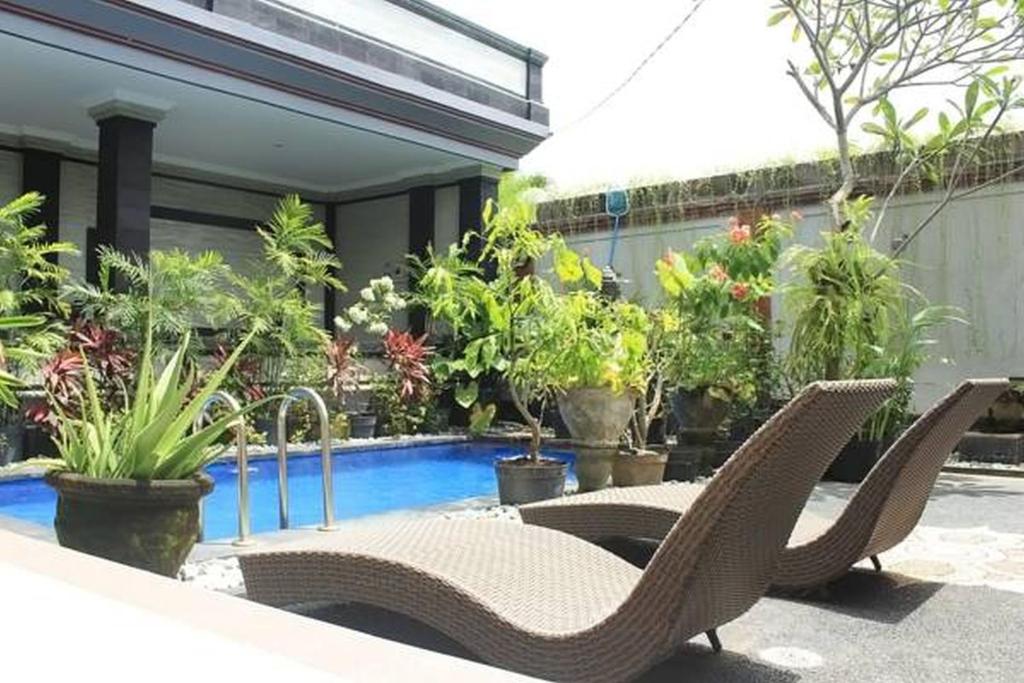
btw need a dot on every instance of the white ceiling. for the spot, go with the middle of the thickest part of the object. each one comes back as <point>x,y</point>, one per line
<point>48,90</point>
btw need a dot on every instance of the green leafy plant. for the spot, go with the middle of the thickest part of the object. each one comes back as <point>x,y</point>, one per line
<point>845,300</point>
<point>501,324</point>
<point>297,254</point>
<point>151,438</point>
<point>30,278</point>
<point>603,343</point>
<point>185,293</point>
<point>717,335</point>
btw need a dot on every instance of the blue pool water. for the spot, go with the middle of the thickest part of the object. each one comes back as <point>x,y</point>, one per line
<point>366,482</point>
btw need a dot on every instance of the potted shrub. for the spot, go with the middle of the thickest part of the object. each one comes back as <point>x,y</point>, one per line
<point>853,318</point>
<point>644,464</point>
<point>129,480</point>
<point>597,371</point>
<point>714,296</point>
<point>502,327</point>
<point>402,395</point>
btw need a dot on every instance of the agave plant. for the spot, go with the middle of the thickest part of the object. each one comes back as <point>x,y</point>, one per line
<point>150,439</point>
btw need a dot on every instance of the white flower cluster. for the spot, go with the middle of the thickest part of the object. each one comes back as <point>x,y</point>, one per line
<point>378,302</point>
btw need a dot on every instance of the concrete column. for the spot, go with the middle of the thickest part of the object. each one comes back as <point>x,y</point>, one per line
<point>421,235</point>
<point>330,295</point>
<point>473,195</point>
<point>124,191</point>
<point>40,172</point>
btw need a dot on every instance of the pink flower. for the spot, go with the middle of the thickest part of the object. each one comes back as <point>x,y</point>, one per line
<point>717,273</point>
<point>739,234</point>
<point>796,215</point>
<point>740,290</point>
<point>733,221</point>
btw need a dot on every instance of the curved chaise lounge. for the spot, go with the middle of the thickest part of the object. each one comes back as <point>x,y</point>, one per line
<point>882,513</point>
<point>547,604</point>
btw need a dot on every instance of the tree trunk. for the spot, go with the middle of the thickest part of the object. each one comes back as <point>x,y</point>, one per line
<point>849,180</point>
<point>532,423</point>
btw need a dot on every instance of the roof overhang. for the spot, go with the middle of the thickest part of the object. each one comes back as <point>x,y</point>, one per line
<point>177,42</point>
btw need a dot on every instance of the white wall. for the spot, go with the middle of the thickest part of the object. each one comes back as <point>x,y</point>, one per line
<point>10,176</point>
<point>446,217</point>
<point>77,211</point>
<point>972,257</point>
<point>373,239</point>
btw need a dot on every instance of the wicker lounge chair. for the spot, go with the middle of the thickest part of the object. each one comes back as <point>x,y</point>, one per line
<point>550,605</point>
<point>883,512</point>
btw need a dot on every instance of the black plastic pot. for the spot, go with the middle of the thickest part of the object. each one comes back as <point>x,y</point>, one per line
<point>149,525</point>
<point>362,425</point>
<point>697,411</point>
<point>521,481</point>
<point>685,462</point>
<point>855,460</point>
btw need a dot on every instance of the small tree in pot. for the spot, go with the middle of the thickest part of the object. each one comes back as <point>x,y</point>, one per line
<point>501,326</point>
<point>598,369</point>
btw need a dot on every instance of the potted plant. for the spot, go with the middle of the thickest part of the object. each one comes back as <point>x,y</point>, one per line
<point>644,464</point>
<point>597,371</point>
<point>502,326</point>
<point>129,480</point>
<point>853,317</point>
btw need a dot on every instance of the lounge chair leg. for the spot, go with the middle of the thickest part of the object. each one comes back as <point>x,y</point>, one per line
<point>878,563</point>
<point>716,644</point>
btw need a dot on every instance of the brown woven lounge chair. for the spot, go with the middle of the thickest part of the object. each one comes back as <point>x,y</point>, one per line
<point>547,604</point>
<point>881,514</point>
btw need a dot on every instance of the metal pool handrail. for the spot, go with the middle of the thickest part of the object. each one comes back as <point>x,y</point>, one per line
<point>297,394</point>
<point>244,531</point>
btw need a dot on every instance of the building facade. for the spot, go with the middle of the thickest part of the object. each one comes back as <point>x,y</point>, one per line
<point>155,124</point>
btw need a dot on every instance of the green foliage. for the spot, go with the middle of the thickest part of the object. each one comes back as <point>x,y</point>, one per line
<point>601,343</point>
<point>500,325</point>
<point>716,338</point>
<point>29,302</point>
<point>149,439</point>
<point>273,300</point>
<point>845,300</point>
<point>185,293</point>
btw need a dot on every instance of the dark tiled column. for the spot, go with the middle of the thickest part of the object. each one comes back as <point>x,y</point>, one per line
<point>330,295</point>
<point>124,191</point>
<point>421,235</point>
<point>473,195</point>
<point>40,172</point>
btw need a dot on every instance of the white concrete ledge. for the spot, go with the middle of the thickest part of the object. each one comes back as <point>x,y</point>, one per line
<point>65,614</point>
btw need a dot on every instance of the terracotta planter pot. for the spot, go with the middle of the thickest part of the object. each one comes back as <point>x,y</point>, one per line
<point>596,414</point>
<point>521,481</point>
<point>594,462</point>
<point>643,468</point>
<point>150,525</point>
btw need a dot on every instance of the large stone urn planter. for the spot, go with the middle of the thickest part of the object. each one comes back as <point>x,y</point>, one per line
<point>150,525</point>
<point>596,414</point>
<point>594,463</point>
<point>522,481</point>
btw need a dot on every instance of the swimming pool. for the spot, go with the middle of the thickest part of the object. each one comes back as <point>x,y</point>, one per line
<point>366,482</point>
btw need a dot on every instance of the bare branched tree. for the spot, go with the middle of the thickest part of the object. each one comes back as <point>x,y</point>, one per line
<point>864,51</point>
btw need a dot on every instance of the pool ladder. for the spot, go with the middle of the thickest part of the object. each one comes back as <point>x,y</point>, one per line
<point>244,531</point>
<point>299,394</point>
